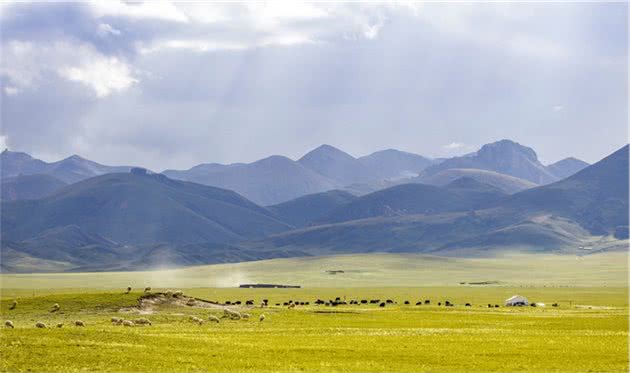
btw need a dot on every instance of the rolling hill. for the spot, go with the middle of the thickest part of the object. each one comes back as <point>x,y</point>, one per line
<point>136,209</point>
<point>29,186</point>
<point>595,197</point>
<point>138,220</point>
<point>308,209</point>
<point>408,199</point>
<point>506,183</point>
<point>590,206</point>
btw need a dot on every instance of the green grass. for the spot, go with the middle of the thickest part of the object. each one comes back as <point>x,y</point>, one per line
<point>587,332</point>
<point>364,270</point>
<point>571,338</point>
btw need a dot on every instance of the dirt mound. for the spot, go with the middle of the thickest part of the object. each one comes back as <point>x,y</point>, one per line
<point>148,302</point>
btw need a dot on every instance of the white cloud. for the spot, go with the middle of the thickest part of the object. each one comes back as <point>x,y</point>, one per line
<point>18,64</point>
<point>195,45</point>
<point>3,142</point>
<point>105,30</point>
<point>558,108</point>
<point>151,9</point>
<point>104,75</point>
<point>371,31</point>
<point>236,26</point>
<point>27,64</point>
<point>455,146</point>
<point>273,14</point>
<point>10,91</point>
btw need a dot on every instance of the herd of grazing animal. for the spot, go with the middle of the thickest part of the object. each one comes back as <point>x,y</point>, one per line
<point>233,314</point>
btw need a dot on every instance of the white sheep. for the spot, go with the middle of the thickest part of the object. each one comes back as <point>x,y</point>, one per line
<point>245,316</point>
<point>169,293</point>
<point>79,323</point>
<point>127,323</point>
<point>234,315</point>
<point>190,302</point>
<point>261,317</point>
<point>116,319</point>
<point>9,324</point>
<point>142,321</point>
<point>196,319</point>
<point>292,305</point>
<point>40,325</point>
<point>60,325</point>
<point>178,293</point>
<point>147,289</point>
<point>55,307</point>
<point>13,305</point>
<point>213,318</point>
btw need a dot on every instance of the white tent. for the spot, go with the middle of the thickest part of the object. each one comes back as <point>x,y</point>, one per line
<point>517,300</point>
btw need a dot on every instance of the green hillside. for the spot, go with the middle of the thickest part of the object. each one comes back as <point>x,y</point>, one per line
<point>30,186</point>
<point>142,209</point>
<point>306,210</point>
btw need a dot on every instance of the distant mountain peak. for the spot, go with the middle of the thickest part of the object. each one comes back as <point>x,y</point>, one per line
<point>567,167</point>
<point>571,159</point>
<point>336,165</point>
<point>505,146</point>
<point>69,170</point>
<point>327,151</point>
<point>275,158</point>
<point>9,153</point>
<point>75,157</point>
<point>503,156</point>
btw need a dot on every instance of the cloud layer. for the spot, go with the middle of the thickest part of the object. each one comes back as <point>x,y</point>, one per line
<point>169,85</point>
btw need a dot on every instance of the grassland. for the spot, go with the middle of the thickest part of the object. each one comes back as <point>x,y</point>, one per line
<point>587,332</point>
<point>365,270</point>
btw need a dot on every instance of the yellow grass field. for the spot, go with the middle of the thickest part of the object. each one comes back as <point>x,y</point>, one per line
<point>588,331</point>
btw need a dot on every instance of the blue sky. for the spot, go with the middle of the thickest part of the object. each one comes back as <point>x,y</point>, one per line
<point>171,85</point>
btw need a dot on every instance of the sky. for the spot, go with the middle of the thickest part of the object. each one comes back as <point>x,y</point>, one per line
<point>171,85</point>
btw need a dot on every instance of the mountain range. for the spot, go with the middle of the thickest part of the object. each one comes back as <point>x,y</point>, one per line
<point>68,170</point>
<point>137,219</point>
<point>506,164</point>
<point>278,179</point>
<point>589,206</point>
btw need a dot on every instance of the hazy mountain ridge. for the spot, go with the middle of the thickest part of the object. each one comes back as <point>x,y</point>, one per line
<point>309,209</point>
<point>508,184</point>
<point>29,186</point>
<point>135,220</point>
<point>268,181</point>
<point>68,170</point>
<point>336,165</point>
<point>506,157</point>
<point>410,199</point>
<point>141,209</point>
<point>558,216</point>
<point>278,179</point>
<point>395,164</point>
<point>566,167</point>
